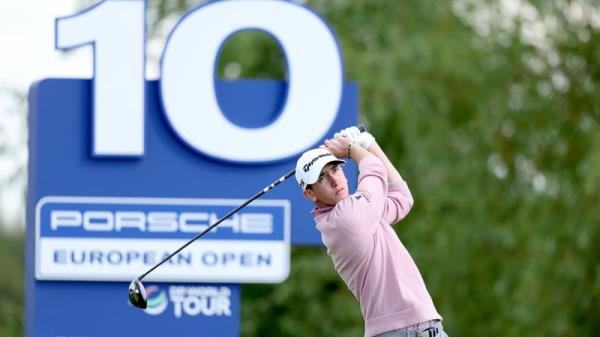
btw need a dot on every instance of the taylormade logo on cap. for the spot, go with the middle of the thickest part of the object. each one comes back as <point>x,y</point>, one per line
<point>310,164</point>
<point>307,166</point>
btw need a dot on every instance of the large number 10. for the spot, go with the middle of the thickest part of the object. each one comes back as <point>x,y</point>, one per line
<point>116,29</point>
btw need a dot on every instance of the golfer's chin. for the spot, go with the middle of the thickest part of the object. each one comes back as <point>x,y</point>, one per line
<point>334,197</point>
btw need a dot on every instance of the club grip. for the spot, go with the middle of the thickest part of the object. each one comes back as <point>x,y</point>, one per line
<point>362,128</point>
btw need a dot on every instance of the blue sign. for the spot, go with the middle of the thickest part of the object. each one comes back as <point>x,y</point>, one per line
<point>61,165</point>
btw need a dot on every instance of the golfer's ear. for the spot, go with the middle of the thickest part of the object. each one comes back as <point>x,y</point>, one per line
<point>309,194</point>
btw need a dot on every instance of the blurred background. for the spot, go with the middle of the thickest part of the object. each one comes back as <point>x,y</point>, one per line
<point>491,112</point>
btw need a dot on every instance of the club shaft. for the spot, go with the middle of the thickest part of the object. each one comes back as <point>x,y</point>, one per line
<point>232,212</point>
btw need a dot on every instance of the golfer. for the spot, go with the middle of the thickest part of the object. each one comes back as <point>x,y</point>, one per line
<point>356,229</point>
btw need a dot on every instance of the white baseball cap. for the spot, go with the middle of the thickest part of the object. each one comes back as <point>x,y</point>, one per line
<point>310,164</point>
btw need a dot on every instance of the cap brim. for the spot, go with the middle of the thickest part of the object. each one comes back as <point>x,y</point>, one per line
<point>318,166</point>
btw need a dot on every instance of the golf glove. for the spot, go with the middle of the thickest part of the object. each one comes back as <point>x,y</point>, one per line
<point>364,139</point>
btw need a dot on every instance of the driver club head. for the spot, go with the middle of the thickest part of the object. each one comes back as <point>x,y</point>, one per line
<point>137,294</point>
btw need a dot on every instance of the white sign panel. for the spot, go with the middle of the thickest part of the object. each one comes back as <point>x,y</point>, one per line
<point>116,239</point>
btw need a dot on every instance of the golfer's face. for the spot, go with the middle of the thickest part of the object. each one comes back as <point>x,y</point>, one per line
<point>332,185</point>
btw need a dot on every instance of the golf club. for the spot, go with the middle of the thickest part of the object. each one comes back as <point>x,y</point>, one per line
<point>137,292</point>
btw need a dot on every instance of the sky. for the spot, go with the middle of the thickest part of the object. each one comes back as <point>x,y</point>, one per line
<point>28,55</point>
<point>27,35</point>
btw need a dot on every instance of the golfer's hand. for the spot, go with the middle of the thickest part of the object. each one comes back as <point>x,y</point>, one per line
<point>338,146</point>
<point>351,132</point>
<point>364,139</point>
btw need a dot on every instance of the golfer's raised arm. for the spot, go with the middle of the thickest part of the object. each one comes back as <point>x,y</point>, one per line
<point>392,173</point>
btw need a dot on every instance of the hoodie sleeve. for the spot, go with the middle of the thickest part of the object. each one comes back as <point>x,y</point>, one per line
<point>372,184</point>
<point>361,211</point>
<point>398,202</point>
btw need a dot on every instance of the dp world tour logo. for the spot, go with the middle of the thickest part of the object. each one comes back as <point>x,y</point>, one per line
<point>189,300</point>
<point>157,300</point>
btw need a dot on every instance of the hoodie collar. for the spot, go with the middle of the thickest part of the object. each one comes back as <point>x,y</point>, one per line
<point>320,211</point>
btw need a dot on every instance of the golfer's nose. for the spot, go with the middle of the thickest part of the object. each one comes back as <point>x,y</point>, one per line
<point>333,180</point>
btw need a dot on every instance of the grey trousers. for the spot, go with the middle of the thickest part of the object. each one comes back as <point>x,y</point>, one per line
<point>435,329</point>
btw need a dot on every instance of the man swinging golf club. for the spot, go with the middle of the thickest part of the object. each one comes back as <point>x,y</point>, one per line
<point>356,229</point>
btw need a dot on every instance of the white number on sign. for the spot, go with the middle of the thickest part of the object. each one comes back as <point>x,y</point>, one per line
<point>116,29</point>
<point>315,78</point>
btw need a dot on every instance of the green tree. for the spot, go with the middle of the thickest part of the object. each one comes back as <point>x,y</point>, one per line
<point>11,284</point>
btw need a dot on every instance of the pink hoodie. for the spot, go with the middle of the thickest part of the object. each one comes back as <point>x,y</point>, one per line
<point>369,256</point>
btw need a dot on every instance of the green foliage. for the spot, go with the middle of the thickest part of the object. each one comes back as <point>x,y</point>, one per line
<point>311,302</point>
<point>11,285</point>
<point>266,60</point>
